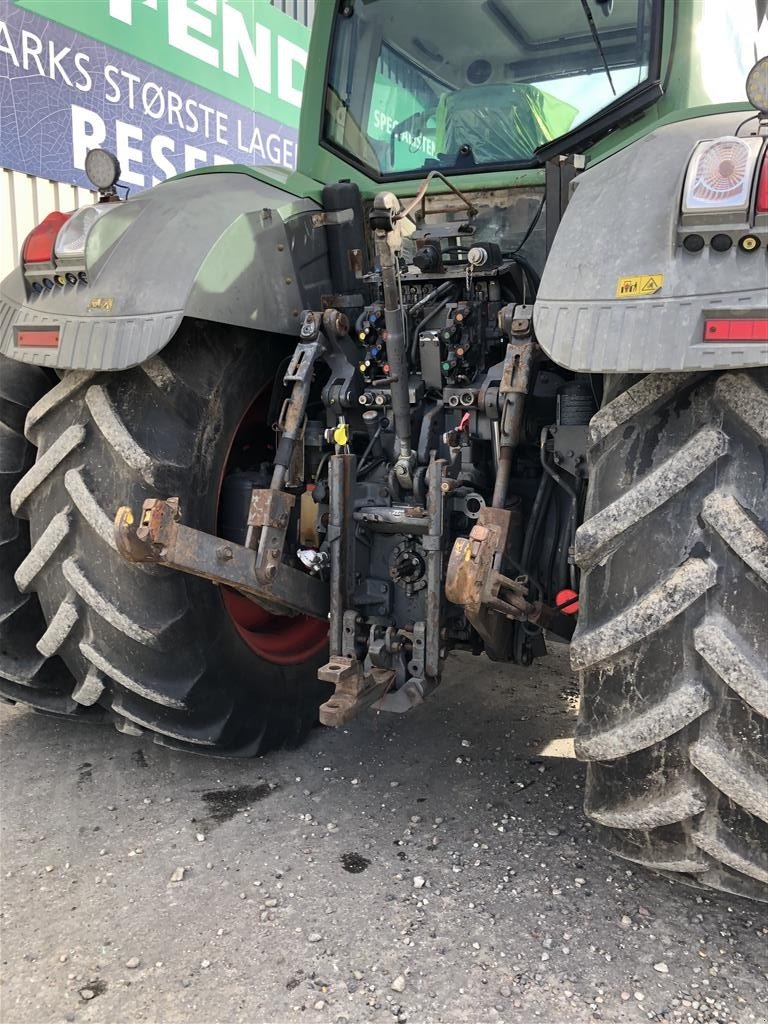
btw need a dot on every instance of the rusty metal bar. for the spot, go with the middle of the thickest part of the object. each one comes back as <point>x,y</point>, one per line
<point>433,546</point>
<point>159,536</point>
<point>341,473</point>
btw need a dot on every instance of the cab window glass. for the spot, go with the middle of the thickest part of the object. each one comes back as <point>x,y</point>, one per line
<point>415,84</point>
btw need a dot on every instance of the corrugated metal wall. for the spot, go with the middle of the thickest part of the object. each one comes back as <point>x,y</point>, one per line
<point>299,10</point>
<point>24,202</point>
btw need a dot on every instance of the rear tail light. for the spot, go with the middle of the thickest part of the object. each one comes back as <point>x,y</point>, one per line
<point>720,174</point>
<point>70,242</point>
<point>736,330</point>
<point>54,252</point>
<point>761,204</point>
<point>39,244</point>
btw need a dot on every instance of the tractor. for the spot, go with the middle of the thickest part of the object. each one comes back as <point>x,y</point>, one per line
<point>487,369</point>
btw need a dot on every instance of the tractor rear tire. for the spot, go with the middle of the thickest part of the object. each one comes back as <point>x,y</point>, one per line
<point>158,648</point>
<point>27,675</point>
<point>673,628</point>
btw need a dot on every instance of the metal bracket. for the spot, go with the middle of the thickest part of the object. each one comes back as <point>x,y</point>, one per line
<point>569,449</point>
<point>160,537</point>
<point>271,507</point>
<point>268,520</point>
<point>319,337</point>
<point>355,689</point>
<point>559,173</point>
<point>490,598</point>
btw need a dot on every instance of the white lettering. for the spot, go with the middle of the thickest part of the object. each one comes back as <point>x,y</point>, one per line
<point>274,150</point>
<point>153,100</point>
<point>257,55</point>
<point>7,46</point>
<point>159,146</point>
<point>193,124</point>
<point>288,56</point>
<point>222,128</point>
<point>54,62</point>
<point>207,111</point>
<point>32,47</point>
<point>195,28</point>
<point>174,108</point>
<point>122,10</point>
<point>88,132</point>
<point>132,80</point>
<point>182,20</point>
<point>125,152</point>
<point>110,77</point>
<point>82,59</point>
<point>194,157</point>
<point>255,145</point>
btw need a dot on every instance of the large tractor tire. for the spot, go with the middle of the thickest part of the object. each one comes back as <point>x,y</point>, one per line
<point>673,629</point>
<point>194,664</point>
<point>27,674</point>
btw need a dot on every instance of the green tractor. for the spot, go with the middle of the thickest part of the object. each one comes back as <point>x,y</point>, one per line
<point>488,368</point>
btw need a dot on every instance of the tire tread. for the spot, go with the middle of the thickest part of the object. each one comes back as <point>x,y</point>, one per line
<point>676,759</point>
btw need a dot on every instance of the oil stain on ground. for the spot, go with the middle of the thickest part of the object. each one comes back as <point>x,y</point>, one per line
<point>139,759</point>
<point>223,804</point>
<point>354,863</point>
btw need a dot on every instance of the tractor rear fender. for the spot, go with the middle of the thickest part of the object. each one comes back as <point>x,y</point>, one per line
<point>224,247</point>
<point>623,221</point>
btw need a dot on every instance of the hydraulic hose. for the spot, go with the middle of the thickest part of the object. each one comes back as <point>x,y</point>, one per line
<point>396,345</point>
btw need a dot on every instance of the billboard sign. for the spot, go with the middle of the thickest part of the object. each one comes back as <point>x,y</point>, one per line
<point>168,85</point>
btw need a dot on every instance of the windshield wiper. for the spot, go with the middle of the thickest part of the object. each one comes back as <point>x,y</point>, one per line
<point>598,44</point>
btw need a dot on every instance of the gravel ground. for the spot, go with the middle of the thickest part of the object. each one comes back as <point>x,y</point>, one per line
<point>432,867</point>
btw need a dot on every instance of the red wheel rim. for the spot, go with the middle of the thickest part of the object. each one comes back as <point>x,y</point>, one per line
<point>281,639</point>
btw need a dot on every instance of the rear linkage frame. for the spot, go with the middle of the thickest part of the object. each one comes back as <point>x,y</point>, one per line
<point>393,667</point>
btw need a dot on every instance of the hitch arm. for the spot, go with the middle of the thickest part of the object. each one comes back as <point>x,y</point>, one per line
<point>159,536</point>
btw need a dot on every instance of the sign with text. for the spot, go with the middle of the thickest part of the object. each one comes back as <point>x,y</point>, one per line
<point>168,85</point>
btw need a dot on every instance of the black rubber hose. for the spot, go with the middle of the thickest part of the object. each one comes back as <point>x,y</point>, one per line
<point>552,555</point>
<point>570,491</point>
<point>542,497</point>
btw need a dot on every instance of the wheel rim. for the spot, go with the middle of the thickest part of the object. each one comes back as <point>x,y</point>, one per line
<point>281,639</point>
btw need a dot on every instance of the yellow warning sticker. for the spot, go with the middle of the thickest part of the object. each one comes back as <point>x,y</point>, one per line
<point>100,305</point>
<point>644,284</point>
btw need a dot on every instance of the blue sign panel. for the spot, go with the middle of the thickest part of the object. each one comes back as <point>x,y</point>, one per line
<point>63,93</point>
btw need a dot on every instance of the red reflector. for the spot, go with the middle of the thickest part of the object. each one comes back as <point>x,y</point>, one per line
<point>37,339</point>
<point>736,330</point>
<point>567,601</point>
<point>761,203</point>
<point>38,247</point>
